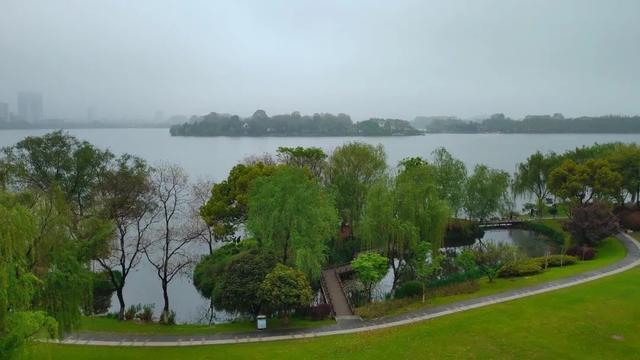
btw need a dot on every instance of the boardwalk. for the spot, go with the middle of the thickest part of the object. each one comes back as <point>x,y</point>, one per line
<point>338,299</point>
<point>110,339</point>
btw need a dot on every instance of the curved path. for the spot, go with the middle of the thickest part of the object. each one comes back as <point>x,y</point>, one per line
<point>632,259</point>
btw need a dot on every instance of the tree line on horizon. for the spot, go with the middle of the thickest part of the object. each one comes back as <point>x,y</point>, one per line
<point>533,124</point>
<point>294,124</point>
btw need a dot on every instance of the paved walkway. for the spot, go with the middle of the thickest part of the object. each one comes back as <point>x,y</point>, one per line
<point>631,260</point>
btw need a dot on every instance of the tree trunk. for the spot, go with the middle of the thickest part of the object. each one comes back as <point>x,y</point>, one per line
<point>164,317</point>
<point>121,302</point>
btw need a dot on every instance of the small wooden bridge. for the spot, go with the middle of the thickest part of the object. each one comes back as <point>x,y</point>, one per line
<point>504,223</point>
<point>333,290</point>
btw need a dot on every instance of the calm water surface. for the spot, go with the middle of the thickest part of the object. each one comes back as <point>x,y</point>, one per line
<point>212,158</point>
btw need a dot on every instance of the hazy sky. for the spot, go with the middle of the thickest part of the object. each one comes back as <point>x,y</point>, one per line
<point>365,58</point>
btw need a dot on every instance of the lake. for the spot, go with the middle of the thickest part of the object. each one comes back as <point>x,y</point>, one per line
<point>212,158</point>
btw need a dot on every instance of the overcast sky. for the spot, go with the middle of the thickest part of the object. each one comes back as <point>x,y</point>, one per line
<point>365,58</point>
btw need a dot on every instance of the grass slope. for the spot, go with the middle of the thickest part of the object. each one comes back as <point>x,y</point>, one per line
<point>597,320</point>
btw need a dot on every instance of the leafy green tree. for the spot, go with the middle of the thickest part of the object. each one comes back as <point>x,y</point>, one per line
<point>450,175</point>
<point>19,321</point>
<point>417,201</point>
<point>227,207</point>
<point>239,285</point>
<point>292,217</point>
<point>486,192</point>
<point>351,170</point>
<point>311,158</point>
<point>370,267</point>
<point>532,177</point>
<point>626,162</point>
<point>57,160</point>
<point>382,230</point>
<point>285,289</point>
<point>581,183</point>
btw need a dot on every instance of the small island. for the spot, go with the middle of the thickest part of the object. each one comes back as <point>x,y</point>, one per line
<point>294,124</point>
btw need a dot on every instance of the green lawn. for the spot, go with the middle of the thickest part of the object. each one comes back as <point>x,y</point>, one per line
<point>609,252</point>
<point>103,324</point>
<point>597,320</point>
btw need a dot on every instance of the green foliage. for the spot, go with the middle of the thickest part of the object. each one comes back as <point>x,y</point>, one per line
<point>293,218</point>
<point>238,286</point>
<point>450,175</point>
<point>520,268</point>
<point>351,170</point>
<point>555,260</point>
<point>370,268</point>
<point>312,158</point>
<point>146,314</point>
<point>102,292</point>
<point>531,177</point>
<point>580,183</point>
<point>408,289</point>
<point>57,160</point>
<point>486,193</point>
<point>19,321</point>
<point>491,257</point>
<point>285,289</point>
<point>211,268</point>
<point>228,205</point>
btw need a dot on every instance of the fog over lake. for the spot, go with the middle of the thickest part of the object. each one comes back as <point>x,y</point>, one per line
<point>211,158</point>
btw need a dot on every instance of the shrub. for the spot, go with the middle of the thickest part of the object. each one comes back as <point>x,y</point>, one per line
<point>131,312</point>
<point>591,223</point>
<point>630,219</point>
<point>556,260</point>
<point>102,292</point>
<point>582,252</point>
<point>146,314</point>
<point>520,268</point>
<point>171,320</point>
<point>409,289</point>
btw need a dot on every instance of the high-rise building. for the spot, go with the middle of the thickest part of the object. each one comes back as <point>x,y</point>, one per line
<point>4,112</point>
<point>30,106</point>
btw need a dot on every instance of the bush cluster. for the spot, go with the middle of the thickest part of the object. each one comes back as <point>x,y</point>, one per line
<point>629,219</point>
<point>409,289</point>
<point>520,268</point>
<point>315,312</point>
<point>556,260</point>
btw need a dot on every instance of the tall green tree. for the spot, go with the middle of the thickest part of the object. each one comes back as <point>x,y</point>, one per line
<point>486,192</point>
<point>311,158</point>
<point>292,217</point>
<point>532,177</point>
<point>581,183</point>
<point>450,175</point>
<point>57,160</point>
<point>227,207</point>
<point>19,320</point>
<point>351,170</point>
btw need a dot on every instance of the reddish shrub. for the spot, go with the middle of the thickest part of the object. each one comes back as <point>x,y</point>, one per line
<point>320,311</point>
<point>630,219</point>
<point>582,252</point>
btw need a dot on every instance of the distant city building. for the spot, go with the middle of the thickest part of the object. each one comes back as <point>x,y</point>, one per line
<point>30,107</point>
<point>4,112</point>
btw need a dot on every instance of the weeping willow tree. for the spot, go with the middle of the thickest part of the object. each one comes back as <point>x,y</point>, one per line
<point>19,321</point>
<point>401,214</point>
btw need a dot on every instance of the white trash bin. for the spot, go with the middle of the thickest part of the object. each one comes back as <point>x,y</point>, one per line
<point>261,322</point>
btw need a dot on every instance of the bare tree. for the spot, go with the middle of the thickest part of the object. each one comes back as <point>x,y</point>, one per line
<point>169,253</point>
<point>125,193</point>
